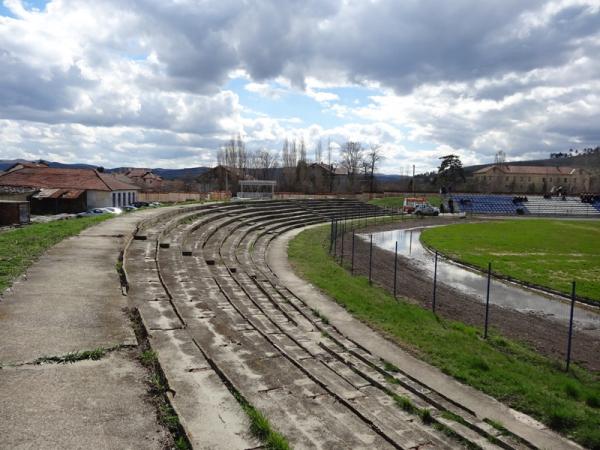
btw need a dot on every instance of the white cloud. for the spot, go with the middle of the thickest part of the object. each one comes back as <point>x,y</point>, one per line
<point>85,80</point>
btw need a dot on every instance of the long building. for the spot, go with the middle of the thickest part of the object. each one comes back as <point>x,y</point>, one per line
<point>507,178</point>
<point>54,190</point>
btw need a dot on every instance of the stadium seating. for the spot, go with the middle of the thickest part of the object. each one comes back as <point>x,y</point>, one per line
<point>486,204</point>
<point>555,206</point>
<point>535,205</point>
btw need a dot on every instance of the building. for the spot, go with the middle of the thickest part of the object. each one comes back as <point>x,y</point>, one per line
<point>222,178</point>
<point>144,178</point>
<point>327,178</point>
<point>14,212</point>
<point>54,190</point>
<point>507,178</point>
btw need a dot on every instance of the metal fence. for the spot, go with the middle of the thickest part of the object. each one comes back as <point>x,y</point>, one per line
<point>343,248</point>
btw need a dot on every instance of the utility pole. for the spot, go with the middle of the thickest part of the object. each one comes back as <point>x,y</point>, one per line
<point>413,180</point>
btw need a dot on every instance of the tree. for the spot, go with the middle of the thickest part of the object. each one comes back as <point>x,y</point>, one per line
<point>319,152</point>
<point>351,156</point>
<point>267,162</point>
<point>450,171</point>
<point>302,150</point>
<point>372,159</point>
<point>285,153</point>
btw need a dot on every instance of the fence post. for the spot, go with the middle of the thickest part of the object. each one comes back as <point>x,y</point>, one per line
<point>352,258</point>
<point>342,252</point>
<point>395,268</point>
<point>335,238</point>
<point>487,301</point>
<point>571,325</point>
<point>370,258</point>
<point>331,237</point>
<point>434,281</point>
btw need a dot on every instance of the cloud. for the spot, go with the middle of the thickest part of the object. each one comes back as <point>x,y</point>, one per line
<point>151,76</point>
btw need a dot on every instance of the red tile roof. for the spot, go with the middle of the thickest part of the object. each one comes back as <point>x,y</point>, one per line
<point>528,170</point>
<point>46,177</point>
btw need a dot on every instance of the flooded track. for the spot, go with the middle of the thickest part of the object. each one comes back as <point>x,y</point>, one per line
<point>474,283</point>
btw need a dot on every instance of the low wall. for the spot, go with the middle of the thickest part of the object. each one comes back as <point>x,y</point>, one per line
<point>182,196</point>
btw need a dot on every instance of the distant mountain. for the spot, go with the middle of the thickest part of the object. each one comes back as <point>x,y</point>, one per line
<point>167,174</point>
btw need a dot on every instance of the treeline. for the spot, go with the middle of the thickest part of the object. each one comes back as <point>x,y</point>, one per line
<point>348,166</point>
<point>590,151</point>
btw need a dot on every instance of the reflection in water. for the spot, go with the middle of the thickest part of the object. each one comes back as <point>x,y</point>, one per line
<point>473,283</point>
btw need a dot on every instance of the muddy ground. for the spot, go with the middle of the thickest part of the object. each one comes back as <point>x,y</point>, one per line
<point>543,334</point>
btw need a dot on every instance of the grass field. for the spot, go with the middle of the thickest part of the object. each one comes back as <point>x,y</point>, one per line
<point>398,202</point>
<point>549,253</point>
<point>22,246</point>
<point>568,403</point>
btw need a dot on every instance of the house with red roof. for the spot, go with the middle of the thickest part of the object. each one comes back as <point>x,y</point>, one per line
<point>144,178</point>
<point>54,190</point>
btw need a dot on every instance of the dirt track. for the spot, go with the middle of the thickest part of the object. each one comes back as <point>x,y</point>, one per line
<point>543,334</point>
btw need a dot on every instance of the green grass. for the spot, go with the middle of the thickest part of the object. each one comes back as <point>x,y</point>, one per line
<point>19,248</point>
<point>502,368</point>
<point>398,202</point>
<point>72,357</point>
<point>550,253</point>
<point>260,427</point>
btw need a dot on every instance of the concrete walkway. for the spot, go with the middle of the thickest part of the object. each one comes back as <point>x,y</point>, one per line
<point>480,404</point>
<point>70,300</point>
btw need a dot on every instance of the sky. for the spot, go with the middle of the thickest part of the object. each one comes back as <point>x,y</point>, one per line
<point>165,83</point>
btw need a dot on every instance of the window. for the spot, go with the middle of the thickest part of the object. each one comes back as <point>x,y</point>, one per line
<point>565,180</point>
<point>119,199</point>
<point>507,178</point>
<point>114,198</point>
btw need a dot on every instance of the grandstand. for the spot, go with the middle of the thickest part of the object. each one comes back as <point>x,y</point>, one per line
<point>485,204</point>
<point>534,205</point>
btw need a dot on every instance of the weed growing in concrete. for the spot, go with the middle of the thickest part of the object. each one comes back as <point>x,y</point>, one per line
<point>318,314</point>
<point>390,367</point>
<point>148,358</point>
<point>426,416</point>
<point>72,357</point>
<point>261,428</point>
<point>404,403</point>
<point>168,417</point>
<point>157,386</point>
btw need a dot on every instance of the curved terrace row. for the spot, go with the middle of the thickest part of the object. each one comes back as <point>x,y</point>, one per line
<point>203,286</point>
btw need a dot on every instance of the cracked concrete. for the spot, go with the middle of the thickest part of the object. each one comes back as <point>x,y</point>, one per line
<point>70,300</point>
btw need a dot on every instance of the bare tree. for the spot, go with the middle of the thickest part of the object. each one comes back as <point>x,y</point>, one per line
<point>293,154</point>
<point>267,162</point>
<point>372,159</point>
<point>302,150</point>
<point>242,155</point>
<point>285,153</point>
<point>329,152</point>
<point>318,152</point>
<point>351,159</point>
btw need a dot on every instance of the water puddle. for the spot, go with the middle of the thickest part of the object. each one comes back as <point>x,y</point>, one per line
<point>505,294</point>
